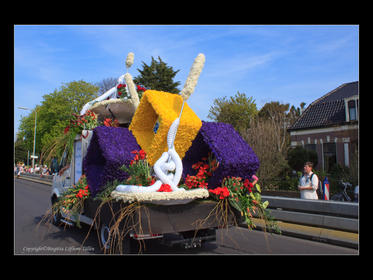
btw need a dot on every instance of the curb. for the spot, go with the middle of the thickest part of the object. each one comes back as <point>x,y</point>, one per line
<point>334,237</point>
<point>34,180</point>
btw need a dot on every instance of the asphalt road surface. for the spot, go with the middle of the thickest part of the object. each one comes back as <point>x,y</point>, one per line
<point>35,236</point>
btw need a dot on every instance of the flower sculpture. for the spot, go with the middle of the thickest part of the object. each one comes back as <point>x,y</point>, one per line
<point>152,121</point>
<point>163,168</point>
<point>120,101</point>
<point>235,156</point>
<point>109,149</point>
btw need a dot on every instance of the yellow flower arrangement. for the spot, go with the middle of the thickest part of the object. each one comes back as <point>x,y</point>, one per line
<point>163,108</point>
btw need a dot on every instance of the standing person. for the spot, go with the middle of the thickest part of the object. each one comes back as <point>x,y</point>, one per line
<point>308,183</point>
<point>20,170</point>
<point>44,171</point>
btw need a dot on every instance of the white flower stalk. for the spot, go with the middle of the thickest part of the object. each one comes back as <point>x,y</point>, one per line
<point>132,89</point>
<point>193,76</point>
<point>129,60</point>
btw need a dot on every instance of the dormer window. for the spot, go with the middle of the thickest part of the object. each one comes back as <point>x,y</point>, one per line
<point>352,108</point>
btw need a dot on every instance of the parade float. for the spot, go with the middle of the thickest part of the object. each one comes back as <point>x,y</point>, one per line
<point>144,166</point>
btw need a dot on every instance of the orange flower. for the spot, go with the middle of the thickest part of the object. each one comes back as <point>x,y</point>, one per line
<point>107,122</point>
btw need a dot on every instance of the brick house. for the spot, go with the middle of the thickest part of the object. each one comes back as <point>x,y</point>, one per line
<point>330,126</point>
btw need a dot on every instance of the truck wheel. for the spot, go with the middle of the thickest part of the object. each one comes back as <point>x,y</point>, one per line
<point>106,242</point>
<point>105,236</point>
<point>56,218</point>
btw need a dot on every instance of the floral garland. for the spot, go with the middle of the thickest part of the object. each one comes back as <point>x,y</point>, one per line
<point>155,197</point>
<point>205,168</point>
<point>71,201</point>
<point>245,197</point>
<point>111,123</point>
<point>122,91</point>
<point>138,170</point>
<point>78,123</point>
<point>164,108</point>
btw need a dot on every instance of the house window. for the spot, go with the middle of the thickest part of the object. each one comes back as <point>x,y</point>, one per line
<point>352,110</point>
<point>330,155</point>
<point>310,147</point>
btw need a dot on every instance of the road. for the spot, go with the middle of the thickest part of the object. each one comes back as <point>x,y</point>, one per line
<point>34,236</point>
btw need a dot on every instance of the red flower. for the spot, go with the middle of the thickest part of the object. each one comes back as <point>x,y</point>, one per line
<point>201,174</point>
<point>82,193</point>
<point>66,129</point>
<point>142,154</point>
<point>222,192</point>
<point>197,165</point>
<point>140,88</point>
<point>203,185</point>
<point>165,188</point>
<point>152,181</point>
<point>115,123</point>
<point>107,122</point>
<point>110,122</point>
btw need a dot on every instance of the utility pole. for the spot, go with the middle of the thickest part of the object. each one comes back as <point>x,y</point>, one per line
<point>33,152</point>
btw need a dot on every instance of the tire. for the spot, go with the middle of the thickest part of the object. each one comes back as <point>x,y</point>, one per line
<point>105,237</point>
<point>106,242</point>
<point>56,218</point>
<point>338,197</point>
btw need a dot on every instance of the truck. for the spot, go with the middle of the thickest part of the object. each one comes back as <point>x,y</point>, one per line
<point>152,125</point>
<point>188,224</point>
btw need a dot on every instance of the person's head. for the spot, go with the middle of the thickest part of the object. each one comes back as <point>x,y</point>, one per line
<point>307,168</point>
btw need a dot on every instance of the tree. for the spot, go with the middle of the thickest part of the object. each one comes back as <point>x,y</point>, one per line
<point>157,76</point>
<point>268,137</point>
<point>54,113</point>
<point>263,138</point>
<point>20,151</point>
<point>276,113</point>
<point>299,155</point>
<point>106,84</point>
<point>273,110</point>
<point>237,111</point>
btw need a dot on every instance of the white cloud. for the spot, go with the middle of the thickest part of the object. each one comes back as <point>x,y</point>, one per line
<point>31,63</point>
<point>333,45</point>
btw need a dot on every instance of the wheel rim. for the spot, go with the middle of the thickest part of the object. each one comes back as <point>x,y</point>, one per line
<point>105,236</point>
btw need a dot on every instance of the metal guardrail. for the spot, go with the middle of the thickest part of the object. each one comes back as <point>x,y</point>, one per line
<point>343,216</point>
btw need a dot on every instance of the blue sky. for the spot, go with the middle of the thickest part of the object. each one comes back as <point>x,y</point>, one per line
<point>286,63</point>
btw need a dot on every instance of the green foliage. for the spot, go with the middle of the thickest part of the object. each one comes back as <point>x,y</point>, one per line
<point>139,170</point>
<point>104,195</point>
<point>237,110</point>
<point>54,113</point>
<point>158,76</point>
<point>71,202</point>
<point>273,109</point>
<point>299,155</point>
<point>247,199</point>
<point>20,151</point>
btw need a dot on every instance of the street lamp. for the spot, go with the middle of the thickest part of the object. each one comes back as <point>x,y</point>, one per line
<point>33,152</point>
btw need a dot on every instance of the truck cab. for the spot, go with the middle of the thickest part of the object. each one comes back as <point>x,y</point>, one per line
<point>68,173</point>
